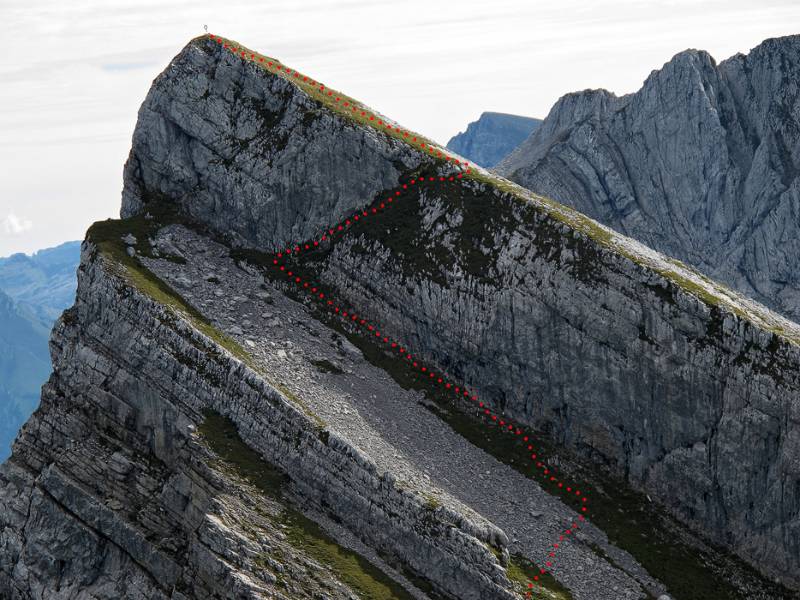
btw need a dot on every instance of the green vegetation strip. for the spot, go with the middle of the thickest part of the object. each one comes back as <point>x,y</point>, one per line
<point>520,571</point>
<point>369,582</point>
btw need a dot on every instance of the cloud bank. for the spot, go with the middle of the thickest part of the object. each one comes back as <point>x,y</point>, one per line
<point>14,225</point>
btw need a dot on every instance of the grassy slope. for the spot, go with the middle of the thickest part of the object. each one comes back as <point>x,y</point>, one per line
<point>684,277</point>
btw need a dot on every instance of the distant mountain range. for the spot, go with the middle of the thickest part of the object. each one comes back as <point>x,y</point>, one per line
<point>34,289</point>
<point>701,163</point>
<point>492,137</point>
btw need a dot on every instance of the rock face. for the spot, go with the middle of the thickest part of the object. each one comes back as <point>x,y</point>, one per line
<point>607,356</point>
<point>114,489</point>
<point>701,164</point>
<point>492,137</point>
<point>109,493</point>
<point>265,160</point>
<point>613,349</point>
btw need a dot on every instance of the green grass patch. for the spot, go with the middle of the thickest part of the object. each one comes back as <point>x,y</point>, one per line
<point>369,582</point>
<point>432,502</point>
<point>523,572</point>
<point>317,420</point>
<point>107,236</point>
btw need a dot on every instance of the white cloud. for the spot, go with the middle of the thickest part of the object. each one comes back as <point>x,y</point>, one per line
<point>70,100</point>
<point>15,225</point>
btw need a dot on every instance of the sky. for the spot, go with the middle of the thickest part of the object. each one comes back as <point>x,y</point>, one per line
<point>73,74</point>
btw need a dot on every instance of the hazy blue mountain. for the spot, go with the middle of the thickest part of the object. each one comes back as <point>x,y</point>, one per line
<point>492,137</point>
<point>34,289</point>
<point>44,281</point>
<point>24,366</point>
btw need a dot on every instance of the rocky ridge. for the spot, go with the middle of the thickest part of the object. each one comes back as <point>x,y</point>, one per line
<point>701,163</point>
<point>556,320</point>
<point>110,459</point>
<point>529,303</point>
<point>390,424</point>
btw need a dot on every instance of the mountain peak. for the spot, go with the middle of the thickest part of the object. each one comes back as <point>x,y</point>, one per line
<point>698,163</point>
<point>320,353</point>
<point>492,137</point>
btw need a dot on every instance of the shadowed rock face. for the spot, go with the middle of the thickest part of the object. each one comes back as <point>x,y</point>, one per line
<point>701,164</point>
<point>492,137</point>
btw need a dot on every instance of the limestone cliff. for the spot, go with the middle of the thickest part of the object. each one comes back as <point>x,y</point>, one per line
<point>112,492</point>
<point>210,432</point>
<point>617,351</point>
<point>701,164</point>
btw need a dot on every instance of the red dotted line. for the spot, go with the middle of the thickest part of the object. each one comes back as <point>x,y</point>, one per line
<point>374,119</point>
<point>373,331</point>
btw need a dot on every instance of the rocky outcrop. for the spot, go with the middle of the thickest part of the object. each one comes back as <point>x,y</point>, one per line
<point>692,403</point>
<point>218,137</point>
<point>110,493</point>
<point>701,163</point>
<point>492,137</point>
<point>114,489</point>
<point>615,350</point>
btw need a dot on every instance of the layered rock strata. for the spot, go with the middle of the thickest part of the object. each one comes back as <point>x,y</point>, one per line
<point>701,163</point>
<point>107,493</point>
<point>617,351</point>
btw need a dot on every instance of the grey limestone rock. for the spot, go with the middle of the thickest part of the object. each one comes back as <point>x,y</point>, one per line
<point>218,137</point>
<point>617,351</point>
<point>701,163</point>
<point>688,400</point>
<point>109,493</point>
<point>689,390</point>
